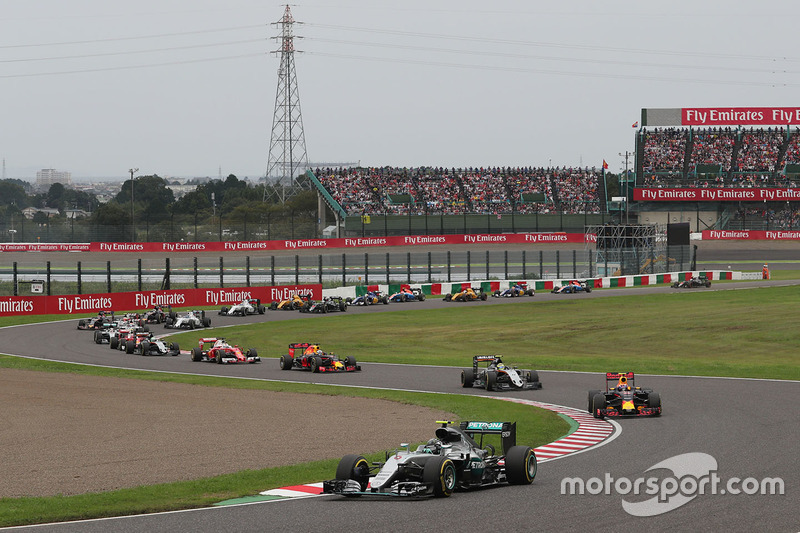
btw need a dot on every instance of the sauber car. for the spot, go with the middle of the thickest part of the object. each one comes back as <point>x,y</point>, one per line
<point>498,376</point>
<point>189,320</point>
<point>407,294</point>
<point>217,350</point>
<point>453,460</point>
<point>309,356</point>
<point>294,303</point>
<point>248,306</point>
<point>469,294</point>
<point>693,282</point>
<point>622,397</point>
<point>572,287</point>
<point>519,289</point>
<point>372,297</point>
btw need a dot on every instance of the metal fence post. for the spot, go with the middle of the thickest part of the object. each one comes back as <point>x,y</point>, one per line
<point>366,268</point>
<point>574,263</point>
<point>320,269</point>
<point>487,264</point>
<point>195,272</point>
<point>221,274</point>
<point>541,264</point>
<point>247,263</point>
<point>48,278</point>
<point>167,275</point>
<point>449,264</point>
<point>387,262</point>
<point>430,273</point>
<point>139,274</point>
<point>344,269</point>
<point>469,265</point>
<point>558,264</point>
<point>524,265</point>
<point>505,262</point>
<point>79,278</point>
<point>14,281</point>
<point>108,276</point>
<point>272,269</point>
<point>408,266</point>
<point>297,269</point>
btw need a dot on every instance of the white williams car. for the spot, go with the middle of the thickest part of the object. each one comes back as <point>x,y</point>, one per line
<point>190,320</point>
<point>249,306</point>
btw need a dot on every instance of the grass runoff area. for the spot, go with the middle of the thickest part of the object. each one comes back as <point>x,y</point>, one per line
<point>740,333</point>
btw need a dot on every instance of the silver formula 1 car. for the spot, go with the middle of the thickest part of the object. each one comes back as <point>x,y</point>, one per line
<point>453,460</point>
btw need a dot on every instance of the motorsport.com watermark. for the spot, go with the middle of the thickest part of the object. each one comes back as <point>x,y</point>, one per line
<point>694,474</point>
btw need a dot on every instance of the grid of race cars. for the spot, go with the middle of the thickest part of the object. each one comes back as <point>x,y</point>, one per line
<point>457,458</point>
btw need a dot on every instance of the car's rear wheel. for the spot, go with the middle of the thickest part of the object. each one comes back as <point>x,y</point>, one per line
<point>197,354</point>
<point>467,377</point>
<point>174,348</point>
<point>316,362</point>
<point>354,467</point>
<point>440,473</point>
<point>286,362</point>
<point>342,306</point>
<point>206,322</point>
<point>491,380</point>
<point>484,296</point>
<point>521,465</point>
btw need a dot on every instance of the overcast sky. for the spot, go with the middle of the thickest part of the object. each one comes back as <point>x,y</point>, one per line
<point>184,88</point>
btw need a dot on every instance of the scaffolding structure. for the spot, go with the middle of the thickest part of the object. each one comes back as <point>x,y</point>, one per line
<point>287,148</point>
<point>629,249</point>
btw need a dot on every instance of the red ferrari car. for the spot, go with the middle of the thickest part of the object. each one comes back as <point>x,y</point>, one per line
<point>217,350</point>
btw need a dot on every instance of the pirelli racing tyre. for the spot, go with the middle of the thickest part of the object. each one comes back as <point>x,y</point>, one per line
<point>81,323</point>
<point>129,346</point>
<point>590,399</point>
<point>197,354</point>
<point>707,284</point>
<point>316,362</point>
<point>286,362</point>
<point>273,306</point>
<point>588,289</point>
<point>262,309</point>
<point>98,337</point>
<point>342,306</point>
<point>533,376</point>
<point>521,465</point>
<point>114,343</point>
<point>174,348</point>
<point>145,347</point>
<point>350,361</point>
<point>354,467</point>
<point>598,402</point>
<point>218,357</point>
<point>654,399</point>
<point>223,311</point>
<point>440,473</point>
<point>491,380</point>
<point>467,377</point>
<point>206,322</point>
<point>251,353</point>
<point>448,297</point>
<point>421,297</point>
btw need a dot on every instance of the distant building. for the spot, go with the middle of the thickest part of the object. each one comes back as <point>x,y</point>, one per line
<point>30,211</point>
<point>48,176</point>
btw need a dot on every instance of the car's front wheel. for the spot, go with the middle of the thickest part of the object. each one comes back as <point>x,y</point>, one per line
<point>440,473</point>
<point>354,467</point>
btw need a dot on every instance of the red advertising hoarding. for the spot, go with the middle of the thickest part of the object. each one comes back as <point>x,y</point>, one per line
<point>752,235</point>
<point>304,244</point>
<point>89,304</point>
<point>739,116</point>
<point>715,195</point>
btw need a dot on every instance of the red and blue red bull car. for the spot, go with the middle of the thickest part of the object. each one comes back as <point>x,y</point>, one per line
<point>623,398</point>
<point>309,356</point>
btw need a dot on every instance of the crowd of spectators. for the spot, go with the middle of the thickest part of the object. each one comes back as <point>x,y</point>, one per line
<point>785,218</point>
<point>664,150</point>
<point>760,149</point>
<point>431,190</point>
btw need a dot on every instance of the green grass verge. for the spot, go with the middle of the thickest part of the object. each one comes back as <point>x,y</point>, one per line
<point>743,333</point>
<point>535,427</point>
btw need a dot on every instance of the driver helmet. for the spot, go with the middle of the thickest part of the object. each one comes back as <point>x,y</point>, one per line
<point>436,444</point>
<point>500,366</point>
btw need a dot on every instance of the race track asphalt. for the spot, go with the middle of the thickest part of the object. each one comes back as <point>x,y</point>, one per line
<point>750,427</point>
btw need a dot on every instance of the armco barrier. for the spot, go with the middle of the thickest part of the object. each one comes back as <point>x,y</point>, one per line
<point>87,304</point>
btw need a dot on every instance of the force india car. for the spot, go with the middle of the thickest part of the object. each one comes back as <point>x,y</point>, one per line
<point>297,301</point>
<point>217,350</point>
<point>623,398</point>
<point>190,320</point>
<point>408,295</point>
<point>572,287</point>
<point>309,356</point>
<point>249,306</point>
<point>454,460</point>
<point>697,281</point>
<point>467,295</point>
<point>328,304</point>
<point>372,297</point>
<point>519,289</point>
<point>498,376</point>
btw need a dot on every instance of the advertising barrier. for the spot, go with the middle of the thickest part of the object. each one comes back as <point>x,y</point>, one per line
<point>751,235</point>
<point>88,304</point>
<point>303,244</point>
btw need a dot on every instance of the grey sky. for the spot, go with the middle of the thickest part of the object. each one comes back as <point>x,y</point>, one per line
<point>184,87</point>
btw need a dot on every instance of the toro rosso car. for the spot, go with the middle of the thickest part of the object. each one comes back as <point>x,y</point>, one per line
<point>694,282</point>
<point>217,350</point>
<point>498,376</point>
<point>308,356</point>
<point>623,398</point>
<point>572,287</point>
<point>453,460</point>
<point>407,294</point>
<point>190,320</point>
<point>248,306</point>
<point>297,301</point>
<point>519,289</point>
<point>372,297</point>
<point>469,294</point>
